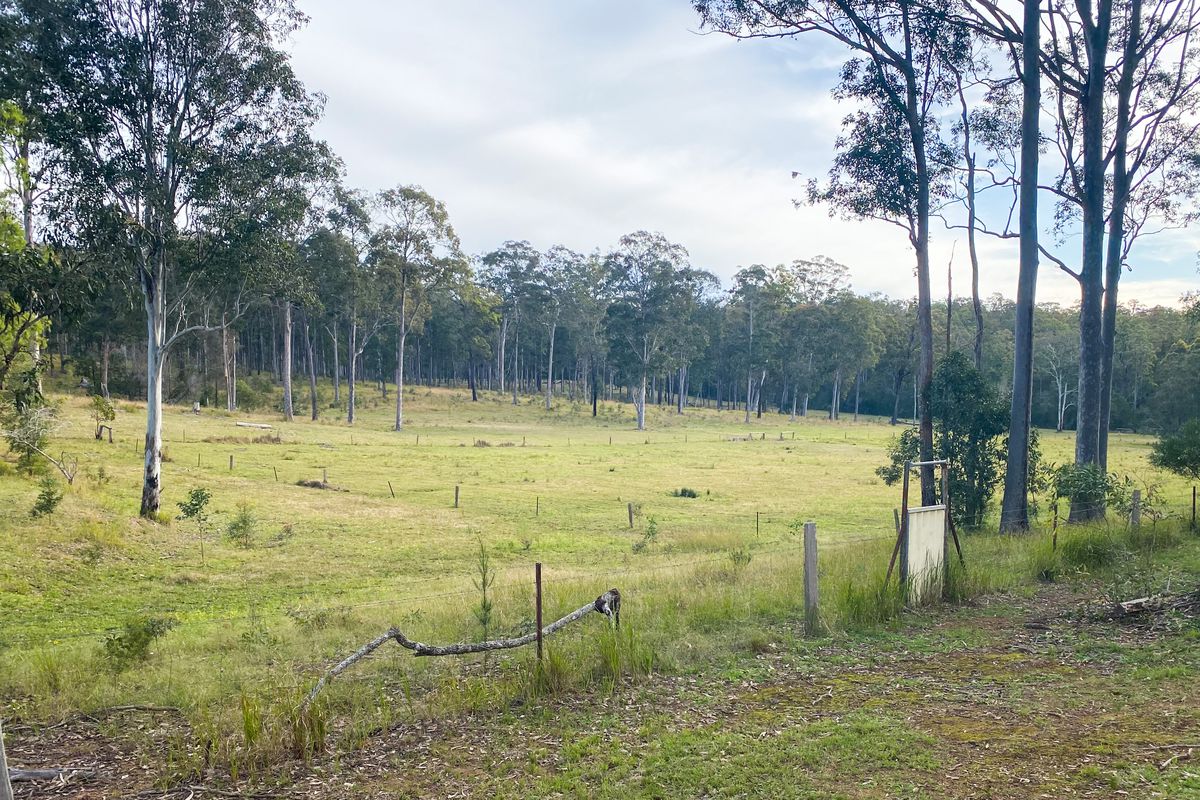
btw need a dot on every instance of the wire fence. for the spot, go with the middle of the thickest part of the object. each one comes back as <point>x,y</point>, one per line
<point>14,637</point>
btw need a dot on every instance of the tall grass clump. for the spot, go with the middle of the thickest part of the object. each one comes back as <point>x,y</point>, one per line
<point>869,603</point>
<point>1091,548</point>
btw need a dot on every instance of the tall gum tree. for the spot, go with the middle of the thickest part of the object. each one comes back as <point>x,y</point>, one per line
<point>415,251</point>
<point>649,279</point>
<point>890,163</point>
<point>180,89</point>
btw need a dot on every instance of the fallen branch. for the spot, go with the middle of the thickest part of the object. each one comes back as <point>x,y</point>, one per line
<point>17,775</point>
<point>259,425</point>
<point>608,604</point>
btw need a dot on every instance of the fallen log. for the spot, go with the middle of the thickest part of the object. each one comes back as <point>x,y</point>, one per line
<point>259,425</point>
<point>608,604</point>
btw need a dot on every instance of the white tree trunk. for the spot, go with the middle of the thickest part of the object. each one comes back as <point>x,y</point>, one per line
<point>287,361</point>
<point>749,392</point>
<point>350,352</point>
<point>312,369</point>
<point>550,366</point>
<point>640,403</point>
<point>337,366</point>
<point>500,364</point>
<point>152,292</point>
<point>403,336</point>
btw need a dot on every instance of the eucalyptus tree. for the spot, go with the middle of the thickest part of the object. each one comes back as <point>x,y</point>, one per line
<point>549,284</point>
<point>414,251</point>
<point>508,271</point>
<point>649,279</point>
<point>176,92</point>
<point>588,298</point>
<point>756,306</point>
<point>891,163</point>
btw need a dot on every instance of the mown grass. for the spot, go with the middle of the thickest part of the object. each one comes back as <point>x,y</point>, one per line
<point>325,570</point>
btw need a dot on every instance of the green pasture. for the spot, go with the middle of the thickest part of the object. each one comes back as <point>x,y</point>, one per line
<point>329,568</point>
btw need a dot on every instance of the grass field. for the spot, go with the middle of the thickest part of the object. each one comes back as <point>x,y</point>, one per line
<point>706,579</point>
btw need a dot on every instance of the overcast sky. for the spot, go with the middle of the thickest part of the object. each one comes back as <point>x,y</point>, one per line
<point>576,121</point>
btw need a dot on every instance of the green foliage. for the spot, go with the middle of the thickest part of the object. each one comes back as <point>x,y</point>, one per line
<point>102,409</point>
<point>195,508</point>
<point>740,557</point>
<point>485,576</point>
<point>26,421</point>
<point>969,423</point>
<point>684,492</point>
<point>131,644</point>
<point>1179,452</point>
<point>243,526</point>
<point>649,537</point>
<point>1089,487</point>
<point>49,496</point>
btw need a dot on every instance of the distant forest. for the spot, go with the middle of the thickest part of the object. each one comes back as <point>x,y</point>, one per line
<point>783,339</point>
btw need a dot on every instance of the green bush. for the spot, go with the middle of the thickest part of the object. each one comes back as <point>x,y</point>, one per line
<point>243,526</point>
<point>49,496</point>
<point>685,492</point>
<point>969,422</point>
<point>131,644</point>
<point>1090,488</point>
<point>1179,453</point>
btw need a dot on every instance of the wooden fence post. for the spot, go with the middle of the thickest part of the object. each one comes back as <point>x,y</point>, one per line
<point>537,579</point>
<point>757,523</point>
<point>1193,508</point>
<point>390,489</point>
<point>324,475</point>
<point>456,495</point>
<point>811,594</point>
<point>630,515</point>
<point>231,460</point>
<point>276,471</point>
<point>537,506</point>
<point>1135,512</point>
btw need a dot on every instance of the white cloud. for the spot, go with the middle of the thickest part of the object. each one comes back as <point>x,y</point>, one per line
<point>578,122</point>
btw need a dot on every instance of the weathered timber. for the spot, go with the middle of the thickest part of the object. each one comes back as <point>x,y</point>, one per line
<point>608,604</point>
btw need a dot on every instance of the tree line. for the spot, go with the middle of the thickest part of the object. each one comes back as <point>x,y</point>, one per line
<point>166,194</point>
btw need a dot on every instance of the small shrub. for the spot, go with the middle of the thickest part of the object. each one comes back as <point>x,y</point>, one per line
<point>195,508</point>
<point>99,476</point>
<point>102,412</point>
<point>243,526</point>
<point>131,644</point>
<point>319,619</point>
<point>1179,453</point>
<point>482,443</point>
<point>740,557</point>
<point>685,492</point>
<point>649,537</point>
<point>485,577</point>
<point>49,496</point>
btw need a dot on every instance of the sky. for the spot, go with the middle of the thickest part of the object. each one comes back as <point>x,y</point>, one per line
<point>576,121</point>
